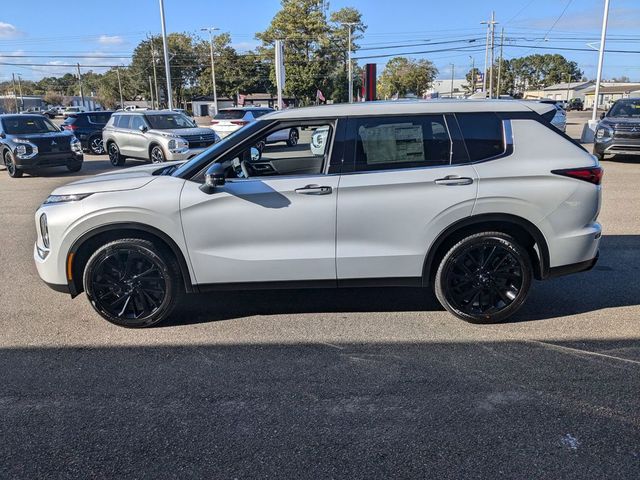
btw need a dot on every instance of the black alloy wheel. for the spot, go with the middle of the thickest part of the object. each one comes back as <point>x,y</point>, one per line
<point>74,166</point>
<point>116,159</point>
<point>131,283</point>
<point>12,169</point>
<point>485,278</point>
<point>293,137</point>
<point>157,155</point>
<point>95,145</point>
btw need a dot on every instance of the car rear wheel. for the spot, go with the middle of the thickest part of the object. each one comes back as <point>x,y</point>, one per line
<point>12,169</point>
<point>157,155</point>
<point>484,278</point>
<point>95,145</point>
<point>116,159</point>
<point>132,283</point>
<point>292,141</point>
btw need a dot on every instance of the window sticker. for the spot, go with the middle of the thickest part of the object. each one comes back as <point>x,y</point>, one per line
<point>394,142</point>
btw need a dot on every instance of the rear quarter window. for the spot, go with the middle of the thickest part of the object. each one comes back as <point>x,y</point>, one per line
<point>230,115</point>
<point>483,135</point>
<point>100,118</point>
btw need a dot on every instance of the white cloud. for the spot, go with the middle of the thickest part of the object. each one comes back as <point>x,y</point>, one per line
<point>110,40</point>
<point>8,31</point>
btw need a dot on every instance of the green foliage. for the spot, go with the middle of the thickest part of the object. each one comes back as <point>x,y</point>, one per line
<point>402,76</point>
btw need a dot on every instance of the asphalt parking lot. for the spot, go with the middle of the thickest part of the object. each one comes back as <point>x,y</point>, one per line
<point>377,383</point>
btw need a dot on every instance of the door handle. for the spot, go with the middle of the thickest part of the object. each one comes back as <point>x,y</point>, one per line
<point>454,180</point>
<point>314,190</point>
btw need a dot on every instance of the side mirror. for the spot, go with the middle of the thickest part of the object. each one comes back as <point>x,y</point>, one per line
<point>255,154</point>
<point>602,115</point>
<point>3,135</point>
<point>143,128</point>
<point>213,177</point>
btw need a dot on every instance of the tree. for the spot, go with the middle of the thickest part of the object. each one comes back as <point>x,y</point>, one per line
<point>622,79</point>
<point>53,98</point>
<point>535,72</point>
<point>402,76</point>
<point>315,49</point>
<point>472,84</point>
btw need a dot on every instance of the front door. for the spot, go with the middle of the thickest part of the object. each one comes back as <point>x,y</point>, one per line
<point>274,220</point>
<point>405,188</point>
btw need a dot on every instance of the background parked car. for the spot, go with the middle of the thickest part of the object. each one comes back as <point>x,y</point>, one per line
<point>69,110</point>
<point>575,104</point>
<point>229,120</point>
<point>87,127</point>
<point>559,120</point>
<point>50,112</point>
<point>619,130</point>
<point>31,142</point>
<point>155,135</point>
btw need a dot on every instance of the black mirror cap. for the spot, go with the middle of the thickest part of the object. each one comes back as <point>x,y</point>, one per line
<point>214,177</point>
<point>602,115</point>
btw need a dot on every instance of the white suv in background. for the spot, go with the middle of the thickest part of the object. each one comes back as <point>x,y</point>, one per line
<point>472,198</point>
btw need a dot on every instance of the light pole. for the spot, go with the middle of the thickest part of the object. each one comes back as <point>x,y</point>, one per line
<point>473,74</point>
<point>213,68</point>
<point>453,67</point>
<point>350,66</point>
<point>603,38</point>
<point>167,66</point>
<point>120,87</point>
<point>490,41</point>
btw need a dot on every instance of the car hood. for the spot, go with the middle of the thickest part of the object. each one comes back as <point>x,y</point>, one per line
<point>38,136</point>
<point>623,120</point>
<point>129,179</point>
<point>180,132</point>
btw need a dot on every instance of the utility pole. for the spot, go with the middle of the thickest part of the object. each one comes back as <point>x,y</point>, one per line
<point>280,74</point>
<point>453,67</point>
<point>167,66</point>
<point>151,90</point>
<point>21,96</point>
<point>155,78</point>
<point>490,44</point>
<point>15,96</point>
<point>80,82</point>
<point>350,64</point>
<point>473,74</point>
<point>603,38</point>
<point>500,63</point>
<point>486,62</point>
<point>213,68</point>
<point>120,87</point>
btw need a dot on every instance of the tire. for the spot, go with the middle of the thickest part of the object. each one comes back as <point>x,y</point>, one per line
<point>12,169</point>
<point>599,156</point>
<point>74,166</point>
<point>122,293</point>
<point>484,278</point>
<point>294,136</point>
<point>157,154</point>
<point>116,159</point>
<point>95,145</point>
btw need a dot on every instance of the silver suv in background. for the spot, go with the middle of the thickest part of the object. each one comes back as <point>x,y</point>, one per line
<point>155,135</point>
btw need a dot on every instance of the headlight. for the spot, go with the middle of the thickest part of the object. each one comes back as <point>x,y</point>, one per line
<point>603,132</point>
<point>44,230</point>
<point>76,146</point>
<point>25,149</point>
<point>73,197</point>
<point>178,144</point>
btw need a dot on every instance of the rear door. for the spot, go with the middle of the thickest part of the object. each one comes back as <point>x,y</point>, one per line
<point>402,191</point>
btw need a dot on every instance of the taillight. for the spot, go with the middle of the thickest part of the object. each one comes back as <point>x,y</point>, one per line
<point>588,174</point>
<point>70,126</point>
<point>239,122</point>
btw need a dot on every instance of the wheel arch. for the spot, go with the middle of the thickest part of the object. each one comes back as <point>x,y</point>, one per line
<point>521,229</point>
<point>155,143</point>
<point>85,245</point>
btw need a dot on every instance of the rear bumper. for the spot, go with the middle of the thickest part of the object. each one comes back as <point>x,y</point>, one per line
<point>573,268</point>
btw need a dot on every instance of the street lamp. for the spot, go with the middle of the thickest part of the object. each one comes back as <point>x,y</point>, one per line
<point>213,69</point>
<point>167,66</point>
<point>350,69</point>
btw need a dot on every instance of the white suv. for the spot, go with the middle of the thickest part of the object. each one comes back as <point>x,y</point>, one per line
<point>474,198</point>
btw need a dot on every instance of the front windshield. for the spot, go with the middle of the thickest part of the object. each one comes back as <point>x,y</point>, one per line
<point>199,161</point>
<point>627,108</point>
<point>169,121</point>
<point>26,125</point>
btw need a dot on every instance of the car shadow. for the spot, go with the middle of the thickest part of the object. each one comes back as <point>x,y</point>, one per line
<point>89,167</point>
<point>614,282</point>
<point>621,159</point>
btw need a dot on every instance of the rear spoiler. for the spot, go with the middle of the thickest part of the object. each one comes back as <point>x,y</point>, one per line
<point>545,110</point>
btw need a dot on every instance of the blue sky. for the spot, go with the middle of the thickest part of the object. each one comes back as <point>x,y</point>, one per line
<point>113,27</point>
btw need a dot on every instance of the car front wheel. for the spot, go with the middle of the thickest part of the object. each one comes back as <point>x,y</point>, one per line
<point>132,283</point>
<point>157,155</point>
<point>95,145</point>
<point>484,278</point>
<point>292,141</point>
<point>12,169</point>
<point>116,159</point>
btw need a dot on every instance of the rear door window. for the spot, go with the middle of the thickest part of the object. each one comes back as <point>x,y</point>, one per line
<point>400,142</point>
<point>122,121</point>
<point>483,135</point>
<point>100,118</point>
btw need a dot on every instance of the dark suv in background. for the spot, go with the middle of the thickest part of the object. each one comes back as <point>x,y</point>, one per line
<point>30,142</point>
<point>87,127</point>
<point>619,130</point>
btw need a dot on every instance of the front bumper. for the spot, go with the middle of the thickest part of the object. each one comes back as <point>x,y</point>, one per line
<point>617,146</point>
<point>583,266</point>
<point>190,153</point>
<point>43,160</point>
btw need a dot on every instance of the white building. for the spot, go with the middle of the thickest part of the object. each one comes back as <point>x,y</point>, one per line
<point>448,88</point>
